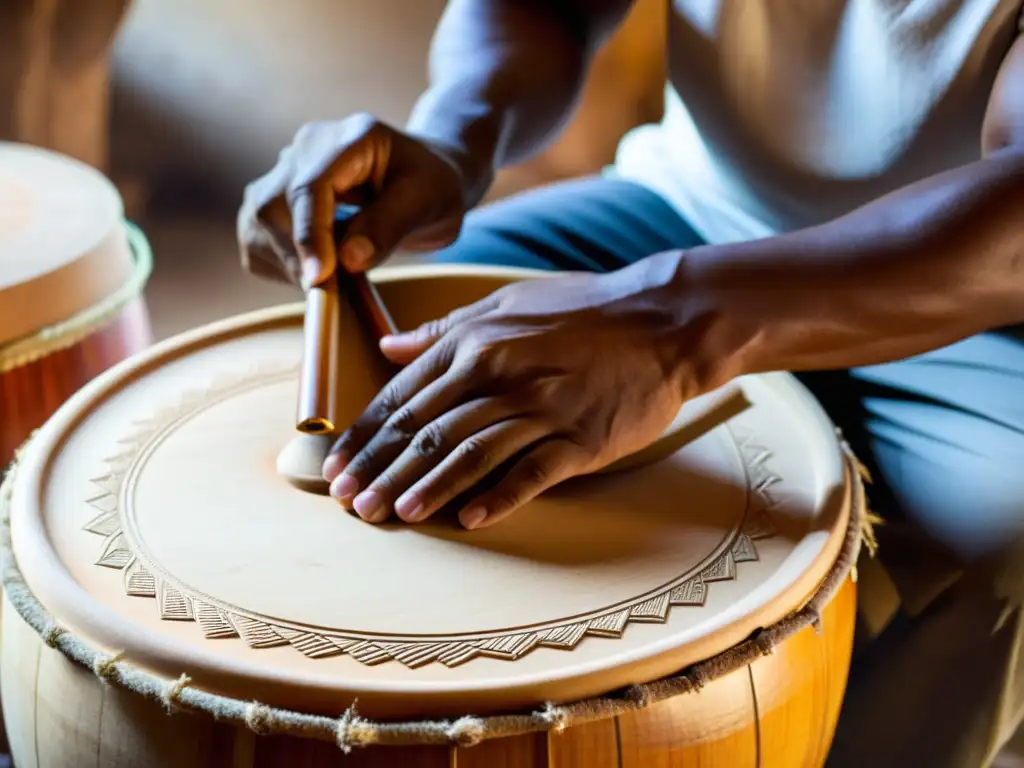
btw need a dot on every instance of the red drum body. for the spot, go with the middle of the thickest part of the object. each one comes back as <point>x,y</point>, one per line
<point>71,277</point>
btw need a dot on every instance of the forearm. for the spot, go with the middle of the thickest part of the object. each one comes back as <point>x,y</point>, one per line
<point>918,269</point>
<point>504,76</point>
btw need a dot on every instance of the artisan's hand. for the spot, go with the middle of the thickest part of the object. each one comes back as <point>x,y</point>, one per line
<point>544,380</point>
<point>411,193</point>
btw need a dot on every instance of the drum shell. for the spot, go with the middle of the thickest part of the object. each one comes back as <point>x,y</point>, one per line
<point>71,275</point>
<point>31,393</point>
<point>780,711</point>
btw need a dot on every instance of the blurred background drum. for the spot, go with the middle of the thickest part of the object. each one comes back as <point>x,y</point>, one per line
<point>72,273</point>
<point>55,74</point>
<point>695,611</point>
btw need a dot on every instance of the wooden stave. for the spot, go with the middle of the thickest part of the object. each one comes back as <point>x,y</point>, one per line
<point>31,393</point>
<point>779,712</point>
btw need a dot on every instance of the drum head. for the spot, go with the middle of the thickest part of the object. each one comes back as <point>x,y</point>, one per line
<point>62,244</point>
<point>149,517</point>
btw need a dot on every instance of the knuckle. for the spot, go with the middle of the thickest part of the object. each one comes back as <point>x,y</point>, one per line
<point>428,441</point>
<point>506,293</point>
<point>543,389</point>
<point>473,352</point>
<point>475,456</point>
<point>386,404</point>
<point>404,422</point>
<point>587,436</point>
<point>433,329</point>
<point>534,472</point>
<point>462,315</point>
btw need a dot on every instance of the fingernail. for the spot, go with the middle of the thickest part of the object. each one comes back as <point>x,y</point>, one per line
<point>344,487</point>
<point>311,269</point>
<point>333,466</point>
<point>471,518</point>
<point>393,341</point>
<point>409,507</point>
<point>357,253</point>
<point>367,506</point>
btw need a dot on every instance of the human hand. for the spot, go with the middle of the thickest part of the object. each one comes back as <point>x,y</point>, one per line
<point>541,381</point>
<point>412,194</point>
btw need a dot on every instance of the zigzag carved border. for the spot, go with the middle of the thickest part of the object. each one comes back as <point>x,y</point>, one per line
<point>174,604</point>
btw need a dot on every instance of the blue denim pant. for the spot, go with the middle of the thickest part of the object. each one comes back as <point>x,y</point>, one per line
<point>943,435</point>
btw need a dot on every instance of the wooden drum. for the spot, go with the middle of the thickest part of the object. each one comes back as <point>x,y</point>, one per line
<point>71,277</point>
<point>695,611</point>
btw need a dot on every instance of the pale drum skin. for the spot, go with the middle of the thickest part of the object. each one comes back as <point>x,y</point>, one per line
<point>780,711</point>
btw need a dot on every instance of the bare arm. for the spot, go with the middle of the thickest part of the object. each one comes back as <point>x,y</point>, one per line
<point>505,75</point>
<point>921,268</point>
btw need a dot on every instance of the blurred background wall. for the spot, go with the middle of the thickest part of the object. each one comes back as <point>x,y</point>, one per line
<point>183,102</point>
<point>205,93</point>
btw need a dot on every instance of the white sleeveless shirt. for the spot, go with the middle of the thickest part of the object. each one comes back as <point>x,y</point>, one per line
<point>782,114</point>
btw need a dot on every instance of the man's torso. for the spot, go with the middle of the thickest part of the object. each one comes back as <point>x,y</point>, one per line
<point>782,114</point>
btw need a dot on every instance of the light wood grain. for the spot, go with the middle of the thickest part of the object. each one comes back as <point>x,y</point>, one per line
<point>59,715</point>
<point>513,752</point>
<point>595,745</point>
<point>714,728</point>
<point>838,621</point>
<point>799,689</point>
<point>20,654</point>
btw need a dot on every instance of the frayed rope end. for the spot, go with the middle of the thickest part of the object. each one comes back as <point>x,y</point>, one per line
<point>172,694</point>
<point>106,668</point>
<point>555,717</point>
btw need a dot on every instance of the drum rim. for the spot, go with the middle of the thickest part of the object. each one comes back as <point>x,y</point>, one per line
<point>91,272</point>
<point>54,338</point>
<point>54,586</point>
<point>350,730</point>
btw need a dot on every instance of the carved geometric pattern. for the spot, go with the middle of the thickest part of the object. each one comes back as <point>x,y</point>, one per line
<point>218,623</point>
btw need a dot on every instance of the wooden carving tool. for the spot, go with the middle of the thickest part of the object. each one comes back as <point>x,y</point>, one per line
<point>330,309</point>
<point>344,323</point>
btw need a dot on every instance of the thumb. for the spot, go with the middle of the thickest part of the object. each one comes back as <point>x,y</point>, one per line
<point>403,348</point>
<point>377,229</point>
